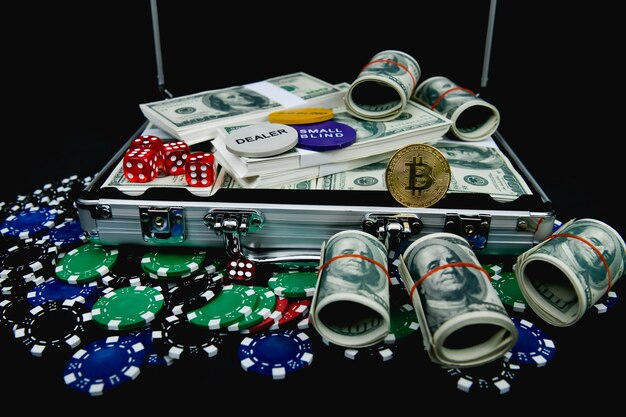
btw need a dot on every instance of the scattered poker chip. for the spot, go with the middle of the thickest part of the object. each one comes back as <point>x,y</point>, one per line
<point>127,308</point>
<point>492,269</point>
<point>27,257</point>
<point>295,310</point>
<point>153,358</point>
<point>275,354</point>
<point>20,287</point>
<point>86,263</point>
<point>377,353</point>
<point>294,283</point>
<point>608,301</point>
<point>118,280</point>
<point>232,304</point>
<point>557,224</point>
<point>29,222</point>
<point>177,338</point>
<point>56,290</point>
<point>279,309</point>
<point>325,136</point>
<point>172,264</point>
<point>533,346</point>
<point>262,310</point>
<point>183,299</point>
<point>105,364</point>
<point>68,235</point>
<point>241,269</point>
<point>493,377</point>
<point>508,290</point>
<point>14,312</point>
<point>53,327</point>
<point>403,323</point>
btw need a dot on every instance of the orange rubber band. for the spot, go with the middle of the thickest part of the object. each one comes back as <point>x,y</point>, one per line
<point>586,242</point>
<point>439,268</point>
<point>388,61</point>
<point>354,255</point>
<point>436,103</point>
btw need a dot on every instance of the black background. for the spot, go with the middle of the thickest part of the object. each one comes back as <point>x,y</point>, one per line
<point>75,73</point>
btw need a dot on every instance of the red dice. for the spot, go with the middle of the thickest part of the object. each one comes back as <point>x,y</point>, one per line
<point>141,164</point>
<point>240,270</point>
<point>175,154</point>
<point>150,142</point>
<point>199,171</point>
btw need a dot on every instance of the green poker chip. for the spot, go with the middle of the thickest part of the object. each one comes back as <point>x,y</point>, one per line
<point>86,263</point>
<point>262,310</point>
<point>172,264</point>
<point>233,304</point>
<point>294,283</point>
<point>127,308</point>
<point>403,323</point>
<point>493,269</point>
<point>508,290</point>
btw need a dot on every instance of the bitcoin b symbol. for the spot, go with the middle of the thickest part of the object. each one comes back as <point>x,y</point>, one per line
<point>420,176</point>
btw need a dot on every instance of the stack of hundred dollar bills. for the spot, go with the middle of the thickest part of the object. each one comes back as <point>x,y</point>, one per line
<point>195,118</point>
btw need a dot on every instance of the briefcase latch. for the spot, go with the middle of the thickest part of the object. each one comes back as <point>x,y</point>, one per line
<point>474,228</point>
<point>162,224</point>
<point>233,224</point>
<point>392,229</point>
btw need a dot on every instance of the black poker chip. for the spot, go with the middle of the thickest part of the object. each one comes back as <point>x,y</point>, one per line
<point>13,312</point>
<point>27,257</point>
<point>186,297</point>
<point>19,287</point>
<point>177,338</point>
<point>117,280</point>
<point>495,377</point>
<point>54,327</point>
<point>378,353</point>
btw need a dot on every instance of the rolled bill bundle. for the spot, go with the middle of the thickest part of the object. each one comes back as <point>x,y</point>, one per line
<point>350,306</point>
<point>383,87</point>
<point>463,321</point>
<point>472,117</point>
<point>567,273</point>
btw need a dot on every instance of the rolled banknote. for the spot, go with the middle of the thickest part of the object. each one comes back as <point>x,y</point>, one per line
<point>566,274</point>
<point>350,306</point>
<point>462,319</point>
<point>472,117</point>
<point>383,87</point>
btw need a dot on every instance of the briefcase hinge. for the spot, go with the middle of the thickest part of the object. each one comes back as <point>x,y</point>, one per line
<point>392,229</point>
<point>233,224</point>
<point>474,228</point>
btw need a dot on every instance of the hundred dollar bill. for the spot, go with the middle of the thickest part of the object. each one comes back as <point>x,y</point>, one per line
<point>196,117</point>
<point>478,168</point>
<point>472,118</point>
<point>474,169</point>
<point>350,306</point>
<point>566,274</point>
<point>383,87</point>
<point>463,321</point>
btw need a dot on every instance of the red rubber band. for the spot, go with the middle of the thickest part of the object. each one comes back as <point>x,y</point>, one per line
<point>354,255</point>
<point>436,103</point>
<point>388,61</point>
<point>439,268</point>
<point>586,242</point>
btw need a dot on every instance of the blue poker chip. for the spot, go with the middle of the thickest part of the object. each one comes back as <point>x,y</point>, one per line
<point>68,235</point>
<point>533,345</point>
<point>275,354</point>
<point>607,302</point>
<point>556,225</point>
<point>105,364</point>
<point>325,136</point>
<point>53,290</point>
<point>30,222</point>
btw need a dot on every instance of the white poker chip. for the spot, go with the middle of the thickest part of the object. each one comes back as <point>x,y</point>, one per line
<point>260,140</point>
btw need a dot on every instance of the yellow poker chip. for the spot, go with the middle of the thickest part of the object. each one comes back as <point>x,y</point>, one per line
<point>301,116</point>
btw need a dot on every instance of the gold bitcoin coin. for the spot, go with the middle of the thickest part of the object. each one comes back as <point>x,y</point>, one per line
<point>301,116</point>
<point>418,175</point>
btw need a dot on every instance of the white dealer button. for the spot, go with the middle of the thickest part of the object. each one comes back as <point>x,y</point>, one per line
<point>259,140</point>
